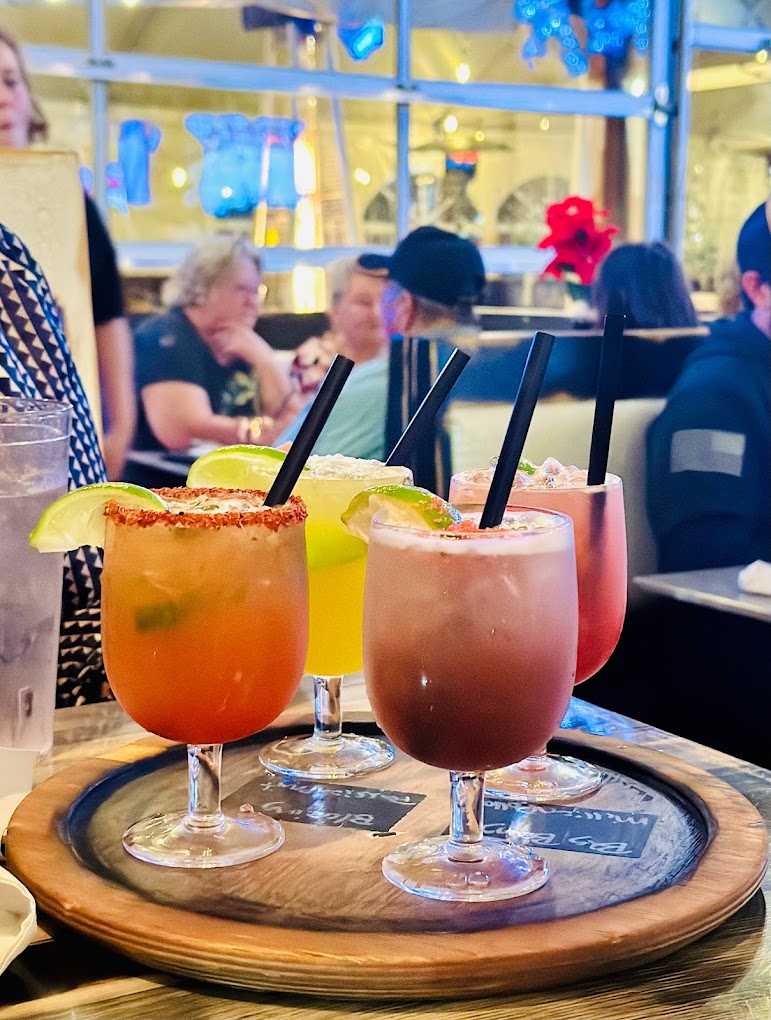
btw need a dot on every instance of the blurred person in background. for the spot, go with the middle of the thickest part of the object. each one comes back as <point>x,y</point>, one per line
<point>203,373</point>
<point>728,289</point>
<point>355,326</point>
<point>434,279</point>
<point>709,504</point>
<point>22,122</point>
<point>430,282</point>
<point>649,282</point>
<point>709,484</point>
<point>652,282</point>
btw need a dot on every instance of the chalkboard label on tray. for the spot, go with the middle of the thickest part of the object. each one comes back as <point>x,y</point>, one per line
<point>316,803</point>
<point>562,827</point>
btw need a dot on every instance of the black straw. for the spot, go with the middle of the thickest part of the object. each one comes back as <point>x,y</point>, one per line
<point>519,423</point>
<point>429,408</point>
<point>607,388</point>
<point>309,431</point>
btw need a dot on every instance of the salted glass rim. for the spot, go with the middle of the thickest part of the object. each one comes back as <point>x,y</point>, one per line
<point>562,522</point>
<point>274,518</point>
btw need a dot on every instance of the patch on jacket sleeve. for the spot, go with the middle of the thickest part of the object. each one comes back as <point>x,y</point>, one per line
<point>711,450</point>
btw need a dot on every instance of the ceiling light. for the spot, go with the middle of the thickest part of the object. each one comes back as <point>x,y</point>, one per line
<point>463,73</point>
<point>450,123</point>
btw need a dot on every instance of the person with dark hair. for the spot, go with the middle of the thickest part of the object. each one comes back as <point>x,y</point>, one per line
<point>433,279</point>
<point>709,485</point>
<point>652,284</point>
<point>22,122</point>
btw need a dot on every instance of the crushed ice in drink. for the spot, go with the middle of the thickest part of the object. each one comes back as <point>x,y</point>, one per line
<point>337,465</point>
<point>216,502</point>
<point>550,474</point>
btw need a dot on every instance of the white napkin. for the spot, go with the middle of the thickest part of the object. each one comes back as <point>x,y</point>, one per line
<point>756,578</point>
<point>18,921</point>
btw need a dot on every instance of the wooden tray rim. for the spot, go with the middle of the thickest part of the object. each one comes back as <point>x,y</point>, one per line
<point>396,965</point>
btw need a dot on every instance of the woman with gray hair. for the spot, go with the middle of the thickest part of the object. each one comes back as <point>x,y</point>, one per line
<point>203,374</point>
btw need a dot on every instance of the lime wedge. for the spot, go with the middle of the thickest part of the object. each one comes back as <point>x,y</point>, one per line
<point>235,467</point>
<point>77,518</point>
<point>401,505</point>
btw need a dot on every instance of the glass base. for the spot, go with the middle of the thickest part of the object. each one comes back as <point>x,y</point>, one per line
<point>503,872</point>
<point>544,779</point>
<point>167,840</point>
<point>318,758</point>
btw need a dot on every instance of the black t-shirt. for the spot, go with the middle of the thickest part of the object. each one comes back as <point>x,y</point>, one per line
<point>106,291</point>
<point>169,349</point>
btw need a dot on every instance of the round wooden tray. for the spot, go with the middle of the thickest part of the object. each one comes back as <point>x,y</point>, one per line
<point>660,855</point>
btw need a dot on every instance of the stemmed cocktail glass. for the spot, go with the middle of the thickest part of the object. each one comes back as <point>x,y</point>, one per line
<point>469,655</point>
<point>597,512</point>
<point>204,628</point>
<point>336,562</point>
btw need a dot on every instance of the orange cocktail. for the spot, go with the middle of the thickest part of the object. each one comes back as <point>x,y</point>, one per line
<point>205,631</point>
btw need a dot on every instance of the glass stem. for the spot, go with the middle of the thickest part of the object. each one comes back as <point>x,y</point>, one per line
<point>535,762</point>
<point>328,725</point>
<point>204,764</point>
<point>467,792</point>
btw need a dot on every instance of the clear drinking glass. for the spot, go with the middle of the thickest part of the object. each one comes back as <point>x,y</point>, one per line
<point>205,629</point>
<point>469,659</point>
<point>34,451</point>
<point>597,512</point>
<point>336,562</point>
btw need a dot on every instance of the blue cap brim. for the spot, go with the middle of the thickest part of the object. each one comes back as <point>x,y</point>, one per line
<point>375,263</point>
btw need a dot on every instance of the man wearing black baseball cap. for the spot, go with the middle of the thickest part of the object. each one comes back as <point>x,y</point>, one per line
<point>434,278</point>
<point>709,452</point>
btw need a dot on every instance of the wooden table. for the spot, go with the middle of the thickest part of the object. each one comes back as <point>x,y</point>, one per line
<point>724,976</point>
<point>716,588</point>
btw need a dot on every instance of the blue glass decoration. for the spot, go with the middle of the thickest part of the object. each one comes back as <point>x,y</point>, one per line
<point>282,134</point>
<point>362,41</point>
<point>86,175</point>
<point>245,161</point>
<point>137,141</point>
<point>610,29</point>
<point>115,194</point>
<point>550,19</point>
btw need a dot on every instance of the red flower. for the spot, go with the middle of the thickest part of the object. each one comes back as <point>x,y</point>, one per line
<point>579,243</point>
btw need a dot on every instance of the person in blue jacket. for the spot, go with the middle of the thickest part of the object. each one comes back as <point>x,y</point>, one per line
<point>709,452</point>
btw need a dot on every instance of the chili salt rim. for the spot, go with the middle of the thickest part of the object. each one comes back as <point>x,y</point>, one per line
<point>293,512</point>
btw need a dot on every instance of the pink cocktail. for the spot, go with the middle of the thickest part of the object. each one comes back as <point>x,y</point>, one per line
<point>597,512</point>
<point>469,656</point>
